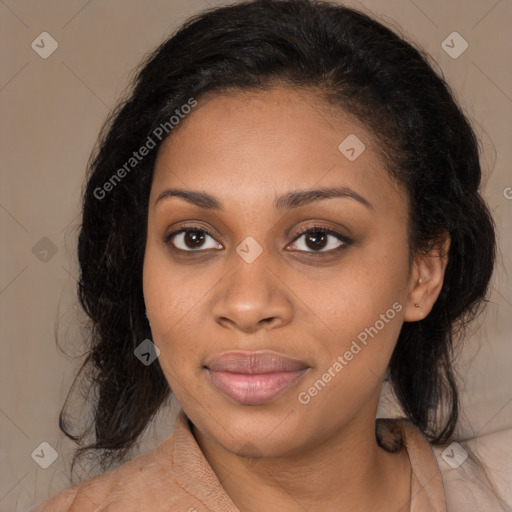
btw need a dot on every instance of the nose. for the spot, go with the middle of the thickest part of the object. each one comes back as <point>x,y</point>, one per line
<point>252,297</point>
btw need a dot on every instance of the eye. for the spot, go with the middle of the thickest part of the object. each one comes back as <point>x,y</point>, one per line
<point>319,239</point>
<point>192,239</point>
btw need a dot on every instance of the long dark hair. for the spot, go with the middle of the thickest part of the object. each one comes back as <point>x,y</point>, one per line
<point>355,64</point>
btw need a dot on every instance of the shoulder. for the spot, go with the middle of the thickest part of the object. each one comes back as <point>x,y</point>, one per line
<point>469,484</point>
<point>452,473</point>
<point>60,502</point>
<point>124,486</point>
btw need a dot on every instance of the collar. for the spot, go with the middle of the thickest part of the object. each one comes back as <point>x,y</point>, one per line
<point>194,474</point>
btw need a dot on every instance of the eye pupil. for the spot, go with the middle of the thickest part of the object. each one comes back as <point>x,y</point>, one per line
<point>316,239</point>
<point>194,239</point>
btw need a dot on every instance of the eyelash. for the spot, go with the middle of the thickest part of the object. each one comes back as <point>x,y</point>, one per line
<point>168,238</point>
<point>346,242</point>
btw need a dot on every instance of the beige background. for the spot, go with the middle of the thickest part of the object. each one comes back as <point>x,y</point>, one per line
<point>52,111</point>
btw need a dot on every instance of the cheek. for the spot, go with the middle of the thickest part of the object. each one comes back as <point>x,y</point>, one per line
<point>171,296</point>
<point>353,371</point>
<point>361,307</point>
<point>173,324</point>
<point>354,297</point>
<point>175,302</point>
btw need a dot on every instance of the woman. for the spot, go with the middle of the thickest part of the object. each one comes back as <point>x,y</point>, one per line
<point>287,206</point>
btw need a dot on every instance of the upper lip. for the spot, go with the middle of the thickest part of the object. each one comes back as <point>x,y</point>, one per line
<point>254,362</point>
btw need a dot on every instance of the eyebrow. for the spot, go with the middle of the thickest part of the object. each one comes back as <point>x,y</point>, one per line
<point>294,199</point>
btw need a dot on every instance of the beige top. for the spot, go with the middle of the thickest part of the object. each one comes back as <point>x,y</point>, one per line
<point>175,476</point>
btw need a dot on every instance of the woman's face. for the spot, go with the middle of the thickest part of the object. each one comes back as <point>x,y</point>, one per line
<point>272,337</point>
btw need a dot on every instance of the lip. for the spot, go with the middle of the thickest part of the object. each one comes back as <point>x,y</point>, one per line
<point>254,378</point>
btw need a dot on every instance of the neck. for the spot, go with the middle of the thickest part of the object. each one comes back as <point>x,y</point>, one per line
<point>347,471</point>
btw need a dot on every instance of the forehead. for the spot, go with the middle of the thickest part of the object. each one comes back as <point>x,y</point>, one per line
<point>263,143</point>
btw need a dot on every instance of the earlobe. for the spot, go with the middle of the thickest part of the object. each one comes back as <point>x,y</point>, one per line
<point>428,276</point>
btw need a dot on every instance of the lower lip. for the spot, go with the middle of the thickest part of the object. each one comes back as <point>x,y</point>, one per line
<point>256,389</point>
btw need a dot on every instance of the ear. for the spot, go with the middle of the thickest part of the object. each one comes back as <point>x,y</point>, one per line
<point>426,281</point>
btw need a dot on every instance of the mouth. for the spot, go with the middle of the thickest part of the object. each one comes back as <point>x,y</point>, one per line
<point>254,378</point>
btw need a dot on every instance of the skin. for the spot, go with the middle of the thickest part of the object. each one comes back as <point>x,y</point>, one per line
<point>246,149</point>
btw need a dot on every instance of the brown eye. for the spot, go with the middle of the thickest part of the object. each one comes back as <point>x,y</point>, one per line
<point>316,240</point>
<point>193,240</point>
<point>320,240</point>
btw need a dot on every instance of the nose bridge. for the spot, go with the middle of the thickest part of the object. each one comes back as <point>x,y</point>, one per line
<point>252,297</point>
